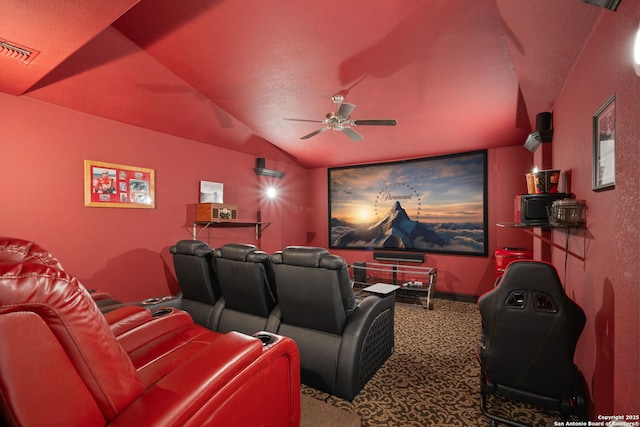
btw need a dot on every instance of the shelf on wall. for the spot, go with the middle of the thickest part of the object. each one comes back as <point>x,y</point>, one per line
<point>259,226</point>
<point>529,230</point>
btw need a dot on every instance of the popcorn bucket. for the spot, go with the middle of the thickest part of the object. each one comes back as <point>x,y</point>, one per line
<point>547,181</point>
<point>531,183</point>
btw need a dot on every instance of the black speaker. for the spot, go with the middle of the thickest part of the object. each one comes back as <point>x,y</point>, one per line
<point>543,126</point>
<point>398,257</point>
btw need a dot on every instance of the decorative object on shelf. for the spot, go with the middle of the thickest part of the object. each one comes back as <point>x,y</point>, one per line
<point>216,212</point>
<point>566,212</point>
<point>604,146</point>
<point>547,181</point>
<point>531,183</point>
<point>531,209</point>
<point>211,192</point>
<point>110,185</point>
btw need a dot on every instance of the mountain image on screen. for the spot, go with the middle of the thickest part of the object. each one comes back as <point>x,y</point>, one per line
<point>397,231</point>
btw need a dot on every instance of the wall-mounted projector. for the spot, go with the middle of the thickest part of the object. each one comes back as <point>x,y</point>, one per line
<point>543,133</point>
<point>261,170</point>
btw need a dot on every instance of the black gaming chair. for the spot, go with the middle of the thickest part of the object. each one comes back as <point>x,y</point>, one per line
<point>248,290</point>
<point>197,279</point>
<point>342,341</point>
<point>530,331</point>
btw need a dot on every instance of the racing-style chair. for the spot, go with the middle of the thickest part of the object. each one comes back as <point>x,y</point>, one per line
<point>530,331</point>
<point>343,341</point>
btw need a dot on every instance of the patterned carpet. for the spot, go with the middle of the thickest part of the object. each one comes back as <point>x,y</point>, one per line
<point>433,377</point>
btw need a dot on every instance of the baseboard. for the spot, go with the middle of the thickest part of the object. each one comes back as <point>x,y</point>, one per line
<point>456,297</point>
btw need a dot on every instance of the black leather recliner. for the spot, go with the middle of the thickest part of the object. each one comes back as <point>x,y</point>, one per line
<point>342,341</point>
<point>248,290</point>
<point>530,331</point>
<point>199,286</point>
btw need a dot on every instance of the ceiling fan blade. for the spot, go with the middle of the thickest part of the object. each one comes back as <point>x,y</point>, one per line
<point>352,134</point>
<point>302,120</point>
<point>386,122</point>
<point>345,110</point>
<point>322,129</point>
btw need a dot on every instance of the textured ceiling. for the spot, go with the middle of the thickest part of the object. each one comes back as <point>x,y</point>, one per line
<point>456,75</point>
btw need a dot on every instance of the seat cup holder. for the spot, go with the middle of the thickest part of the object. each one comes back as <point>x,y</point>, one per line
<point>267,339</point>
<point>161,312</point>
<point>156,300</point>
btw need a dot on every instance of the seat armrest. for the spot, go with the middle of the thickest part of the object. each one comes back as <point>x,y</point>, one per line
<point>218,382</point>
<point>364,350</point>
<point>126,318</point>
<point>153,328</point>
<point>365,313</point>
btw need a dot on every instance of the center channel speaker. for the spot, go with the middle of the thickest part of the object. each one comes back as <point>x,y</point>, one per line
<point>398,257</point>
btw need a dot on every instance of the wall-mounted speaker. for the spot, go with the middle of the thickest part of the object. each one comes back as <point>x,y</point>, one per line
<point>543,126</point>
<point>543,133</point>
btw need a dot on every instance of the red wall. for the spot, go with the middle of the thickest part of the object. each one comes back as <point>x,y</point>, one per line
<point>606,283</point>
<point>125,251</point>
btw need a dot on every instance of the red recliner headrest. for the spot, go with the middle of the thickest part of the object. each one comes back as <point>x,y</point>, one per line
<point>19,250</point>
<point>75,320</point>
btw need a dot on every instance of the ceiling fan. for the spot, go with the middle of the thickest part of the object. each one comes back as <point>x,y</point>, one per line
<point>340,120</point>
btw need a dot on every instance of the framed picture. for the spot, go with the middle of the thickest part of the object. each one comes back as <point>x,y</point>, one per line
<point>110,185</point>
<point>604,146</point>
<point>434,204</point>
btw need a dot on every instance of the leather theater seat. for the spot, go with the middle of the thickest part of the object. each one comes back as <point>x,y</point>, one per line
<point>342,341</point>
<point>61,364</point>
<point>530,331</point>
<point>134,325</point>
<point>247,282</point>
<point>13,249</point>
<point>198,281</point>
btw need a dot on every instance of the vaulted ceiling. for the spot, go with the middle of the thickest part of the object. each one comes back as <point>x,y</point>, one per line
<point>457,75</point>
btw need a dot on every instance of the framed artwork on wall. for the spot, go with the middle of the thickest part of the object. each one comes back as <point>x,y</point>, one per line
<point>110,185</point>
<point>604,146</point>
<point>434,204</point>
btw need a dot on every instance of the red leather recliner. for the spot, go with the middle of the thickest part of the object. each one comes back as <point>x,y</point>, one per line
<point>61,364</point>
<point>19,250</point>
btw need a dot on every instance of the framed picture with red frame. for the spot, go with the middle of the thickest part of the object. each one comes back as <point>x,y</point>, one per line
<point>110,185</point>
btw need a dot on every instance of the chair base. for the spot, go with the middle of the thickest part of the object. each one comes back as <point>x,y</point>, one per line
<point>574,406</point>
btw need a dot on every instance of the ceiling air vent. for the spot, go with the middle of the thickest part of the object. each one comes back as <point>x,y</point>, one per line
<point>15,51</point>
